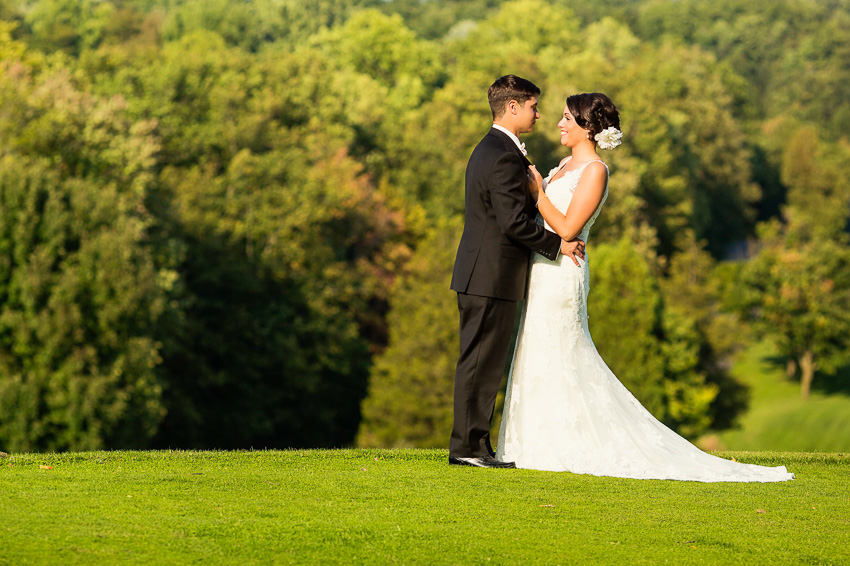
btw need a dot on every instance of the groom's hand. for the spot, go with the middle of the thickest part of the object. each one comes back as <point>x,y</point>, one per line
<point>574,249</point>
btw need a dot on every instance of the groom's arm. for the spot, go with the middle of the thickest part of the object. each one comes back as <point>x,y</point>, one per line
<point>509,198</point>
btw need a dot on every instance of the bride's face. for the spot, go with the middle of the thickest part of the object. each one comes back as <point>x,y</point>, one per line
<point>571,133</point>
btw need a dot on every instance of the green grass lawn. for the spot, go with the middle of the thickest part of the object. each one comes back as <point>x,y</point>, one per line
<point>405,507</point>
<point>779,419</point>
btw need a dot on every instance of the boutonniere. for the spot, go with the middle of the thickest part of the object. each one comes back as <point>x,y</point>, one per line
<point>522,149</point>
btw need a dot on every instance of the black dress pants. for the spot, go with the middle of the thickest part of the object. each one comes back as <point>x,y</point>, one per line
<point>486,326</point>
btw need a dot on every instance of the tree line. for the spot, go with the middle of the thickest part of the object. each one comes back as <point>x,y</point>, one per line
<point>228,224</point>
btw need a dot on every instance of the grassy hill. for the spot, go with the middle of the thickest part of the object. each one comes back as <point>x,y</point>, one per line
<point>405,507</point>
<point>779,419</point>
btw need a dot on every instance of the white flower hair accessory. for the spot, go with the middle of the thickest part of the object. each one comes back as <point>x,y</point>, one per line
<point>609,138</point>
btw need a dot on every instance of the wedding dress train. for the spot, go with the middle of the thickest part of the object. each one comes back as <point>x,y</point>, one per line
<point>566,411</point>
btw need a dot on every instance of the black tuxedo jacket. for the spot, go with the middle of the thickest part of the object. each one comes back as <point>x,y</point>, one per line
<point>499,229</point>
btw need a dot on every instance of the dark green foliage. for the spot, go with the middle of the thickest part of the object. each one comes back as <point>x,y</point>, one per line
<point>80,299</point>
<point>694,288</point>
<point>410,390</point>
<point>270,246</point>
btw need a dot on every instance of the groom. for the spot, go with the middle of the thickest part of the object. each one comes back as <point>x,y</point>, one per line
<point>492,263</point>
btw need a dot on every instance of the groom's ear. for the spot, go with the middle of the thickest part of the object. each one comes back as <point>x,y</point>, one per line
<point>504,110</point>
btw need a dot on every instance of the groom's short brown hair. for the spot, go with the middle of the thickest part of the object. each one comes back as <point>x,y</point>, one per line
<point>507,88</point>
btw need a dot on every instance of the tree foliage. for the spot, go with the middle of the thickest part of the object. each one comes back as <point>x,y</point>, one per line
<point>412,381</point>
<point>799,294</point>
<point>209,206</point>
<point>80,290</point>
<point>798,284</point>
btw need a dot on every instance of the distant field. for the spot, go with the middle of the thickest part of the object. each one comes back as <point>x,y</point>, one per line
<point>405,507</point>
<point>779,419</point>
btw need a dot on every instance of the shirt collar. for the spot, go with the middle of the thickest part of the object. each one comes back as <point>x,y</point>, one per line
<point>511,135</point>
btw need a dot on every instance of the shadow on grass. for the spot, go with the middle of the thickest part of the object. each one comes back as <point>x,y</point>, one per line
<point>837,383</point>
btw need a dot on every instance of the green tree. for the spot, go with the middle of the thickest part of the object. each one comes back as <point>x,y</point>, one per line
<point>816,178</point>
<point>431,22</point>
<point>246,24</point>
<point>278,247</point>
<point>410,388</point>
<point>285,246</point>
<point>799,282</point>
<point>80,291</point>
<point>284,275</point>
<point>798,293</point>
<point>693,288</point>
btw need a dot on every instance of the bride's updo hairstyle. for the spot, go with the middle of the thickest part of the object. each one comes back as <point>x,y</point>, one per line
<point>594,112</point>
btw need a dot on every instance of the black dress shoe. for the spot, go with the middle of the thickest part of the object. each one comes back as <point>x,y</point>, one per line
<point>481,462</point>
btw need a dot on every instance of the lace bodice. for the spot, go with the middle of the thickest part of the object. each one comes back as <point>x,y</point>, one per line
<point>560,192</point>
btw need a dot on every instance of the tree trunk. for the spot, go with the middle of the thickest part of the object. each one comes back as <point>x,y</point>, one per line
<point>807,367</point>
<point>791,368</point>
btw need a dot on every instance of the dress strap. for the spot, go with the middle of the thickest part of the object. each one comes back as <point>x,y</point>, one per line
<point>596,161</point>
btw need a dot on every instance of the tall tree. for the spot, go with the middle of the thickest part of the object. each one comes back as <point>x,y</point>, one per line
<point>799,294</point>
<point>80,291</point>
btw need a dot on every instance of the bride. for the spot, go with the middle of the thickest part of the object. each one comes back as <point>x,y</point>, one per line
<point>564,409</point>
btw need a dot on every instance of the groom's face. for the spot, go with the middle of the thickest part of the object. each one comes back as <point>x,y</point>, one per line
<point>526,115</point>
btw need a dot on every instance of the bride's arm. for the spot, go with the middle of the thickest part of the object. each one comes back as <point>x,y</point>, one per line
<point>586,198</point>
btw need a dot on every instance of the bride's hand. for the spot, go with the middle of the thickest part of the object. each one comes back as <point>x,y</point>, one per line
<point>535,181</point>
<point>574,249</point>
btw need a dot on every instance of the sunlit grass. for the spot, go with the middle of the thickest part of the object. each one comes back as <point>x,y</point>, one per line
<point>779,419</point>
<point>405,507</point>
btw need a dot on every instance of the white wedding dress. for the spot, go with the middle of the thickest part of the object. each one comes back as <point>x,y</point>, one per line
<point>566,411</point>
